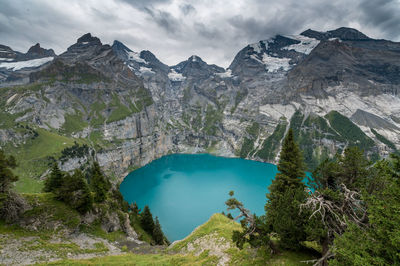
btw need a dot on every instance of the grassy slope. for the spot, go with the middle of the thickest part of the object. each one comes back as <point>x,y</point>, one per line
<point>218,225</point>
<point>223,227</point>
<point>138,259</point>
<point>49,212</point>
<point>48,236</point>
<point>33,158</point>
<point>45,206</point>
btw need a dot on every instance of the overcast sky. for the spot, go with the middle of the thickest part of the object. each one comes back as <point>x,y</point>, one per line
<point>176,29</point>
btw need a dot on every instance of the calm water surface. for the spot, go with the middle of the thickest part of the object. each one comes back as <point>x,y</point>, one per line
<point>184,190</point>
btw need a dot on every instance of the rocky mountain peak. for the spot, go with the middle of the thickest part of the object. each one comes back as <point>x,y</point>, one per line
<point>6,52</point>
<point>153,61</point>
<point>35,48</point>
<point>343,33</point>
<point>117,45</point>
<point>195,58</point>
<point>38,52</point>
<point>86,47</point>
<point>121,50</point>
<point>88,38</point>
<point>194,66</point>
<point>144,63</point>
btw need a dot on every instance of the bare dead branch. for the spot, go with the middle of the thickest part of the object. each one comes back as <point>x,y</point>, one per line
<point>336,214</point>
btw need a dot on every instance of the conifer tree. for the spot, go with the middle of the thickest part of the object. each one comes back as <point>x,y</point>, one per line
<point>146,220</point>
<point>75,192</point>
<point>286,195</point>
<point>158,235</point>
<point>135,208</point>
<point>55,180</point>
<point>6,175</point>
<point>99,183</point>
<point>354,168</point>
<point>11,203</point>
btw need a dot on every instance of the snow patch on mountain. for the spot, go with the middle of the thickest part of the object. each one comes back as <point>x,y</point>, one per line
<point>146,70</point>
<point>130,67</point>
<point>14,66</point>
<point>305,46</point>
<point>136,57</point>
<point>6,59</point>
<point>174,76</point>
<point>274,64</point>
<point>256,47</point>
<point>226,74</point>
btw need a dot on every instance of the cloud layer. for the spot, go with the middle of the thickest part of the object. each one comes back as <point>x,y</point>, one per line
<point>175,29</point>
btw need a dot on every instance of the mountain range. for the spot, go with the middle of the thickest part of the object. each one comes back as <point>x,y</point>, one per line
<point>124,108</point>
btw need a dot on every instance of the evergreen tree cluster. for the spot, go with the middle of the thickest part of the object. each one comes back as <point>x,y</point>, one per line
<point>78,190</point>
<point>74,189</point>
<point>377,243</point>
<point>11,204</point>
<point>76,151</point>
<point>7,177</point>
<point>364,197</point>
<point>71,189</point>
<point>150,225</point>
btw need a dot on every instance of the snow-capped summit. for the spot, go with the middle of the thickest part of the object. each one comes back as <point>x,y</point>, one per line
<point>195,58</point>
<point>16,66</point>
<point>143,63</point>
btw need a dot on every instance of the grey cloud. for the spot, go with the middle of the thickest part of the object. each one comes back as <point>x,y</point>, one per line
<point>187,9</point>
<point>209,33</point>
<point>165,20</point>
<point>383,14</point>
<point>99,14</point>
<point>141,4</point>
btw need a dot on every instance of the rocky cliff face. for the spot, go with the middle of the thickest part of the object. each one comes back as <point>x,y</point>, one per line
<point>335,89</point>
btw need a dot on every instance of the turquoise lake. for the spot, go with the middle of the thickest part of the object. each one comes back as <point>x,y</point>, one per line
<point>184,190</point>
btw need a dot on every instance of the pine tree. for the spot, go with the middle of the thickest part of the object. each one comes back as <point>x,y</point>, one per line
<point>158,235</point>
<point>146,220</point>
<point>11,203</point>
<point>286,195</point>
<point>354,168</point>
<point>379,242</point>
<point>99,184</point>
<point>75,192</point>
<point>55,180</point>
<point>6,175</point>
<point>135,208</point>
